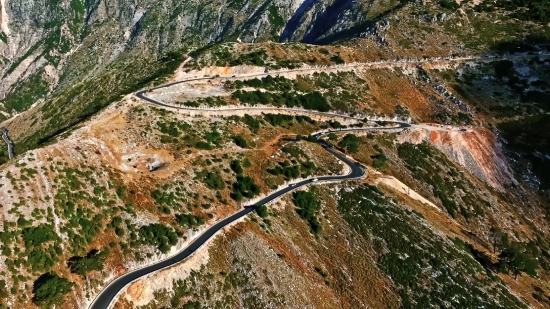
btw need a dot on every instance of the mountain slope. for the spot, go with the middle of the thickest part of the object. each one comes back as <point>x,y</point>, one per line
<point>454,211</point>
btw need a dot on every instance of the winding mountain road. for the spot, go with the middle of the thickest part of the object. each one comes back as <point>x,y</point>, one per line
<point>109,294</point>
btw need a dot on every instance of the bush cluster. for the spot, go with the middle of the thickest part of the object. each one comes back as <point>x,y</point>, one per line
<point>94,260</point>
<point>307,207</point>
<point>244,187</point>
<point>189,220</point>
<point>350,143</point>
<point>159,235</point>
<point>314,100</point>
<point>49,290</point>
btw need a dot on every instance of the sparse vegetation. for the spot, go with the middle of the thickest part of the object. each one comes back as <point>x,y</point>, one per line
<point>307,207</point>
<point>454,276</point>
<point>443,177</point>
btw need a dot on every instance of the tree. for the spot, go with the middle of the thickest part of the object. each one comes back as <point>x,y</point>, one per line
<point>236,167</point>
<point>159,235</point>
<point>35,236</point>
<point>262,211</point>
<point>350,143</point>
<point>379,161</point>
<point>189,220</point>
<point>316,101</point>
<point>3,289</point>
<point>311,138</point>
<point>332,137</point>
<point>307,207</point>
<point>244,187</point>
<point>514,258</point>
<point>214,181</point>
<point>94,260</point>
<point>49,290</point>
<point>240,141</point>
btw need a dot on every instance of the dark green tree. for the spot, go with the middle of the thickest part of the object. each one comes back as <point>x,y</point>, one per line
<point>49,290</point>
<point>307,207</point>
<point>350,143</point>
<point>94,260</point>
<point>262,211</point>
<point>515,259</point>
<point>3,289</point>
<point>332,137</point>
<point>244,187</point>
<point>240,141</point>
<point>214,181</point>
<point>236,167</point>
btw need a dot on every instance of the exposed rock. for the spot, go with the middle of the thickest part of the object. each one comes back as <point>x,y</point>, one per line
<point>155,165</point>
<point>475,149</point>
<point>376,31</point>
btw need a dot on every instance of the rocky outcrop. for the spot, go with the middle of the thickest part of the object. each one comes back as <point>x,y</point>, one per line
<point>78,40</point>
<point>324,21</point>
<point>376,31</point>
<point>475,149</point>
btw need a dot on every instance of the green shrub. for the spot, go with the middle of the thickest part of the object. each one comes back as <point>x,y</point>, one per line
<point>94,260</point>
<point>213,137</point>
<point>337,59</point>
<point>307,207</point>
<point>286,169</point>
<point>203,145</point>
<point>333,137</point>
<point>163,197</point>
<point>159,235</point>
<point>262,211</point>
<point>313,100</point>
<point>236,167</point>
<point>49,290</point>
<point>517,259</point>
<point>350,142</point>
<point>240,141</point>
<point>214,181</point>
<point>379,160</point>
<point>41,260</point>
<point>36,236</point>
<point>244,187</point>
<point>449,4</point>
<point>252,123</point>
<point>277,119</point>
<point>3,289</point>
<point>189,220</point>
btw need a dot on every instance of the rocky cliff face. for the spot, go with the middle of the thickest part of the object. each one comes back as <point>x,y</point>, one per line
<point>46,45</point>
<point>475,149</point>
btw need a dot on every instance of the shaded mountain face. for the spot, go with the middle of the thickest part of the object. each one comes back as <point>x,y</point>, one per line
<point>45,45</point>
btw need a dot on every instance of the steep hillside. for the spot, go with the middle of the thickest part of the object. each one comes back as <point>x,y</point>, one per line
<point>51,47</point>
<point>445,104</point>
<point>135,183</point>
